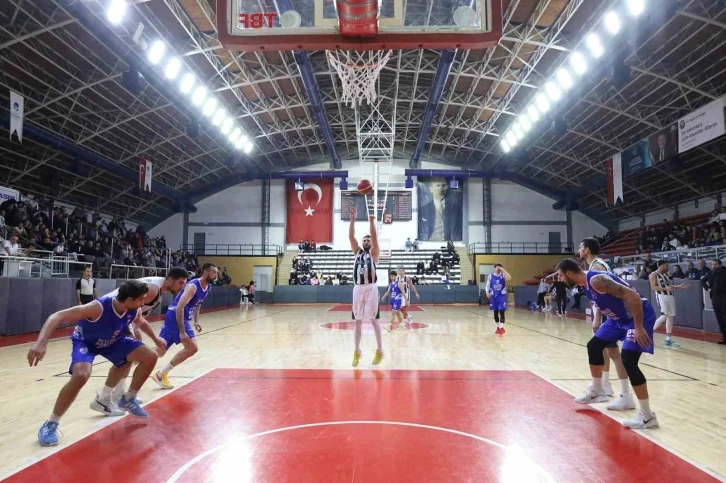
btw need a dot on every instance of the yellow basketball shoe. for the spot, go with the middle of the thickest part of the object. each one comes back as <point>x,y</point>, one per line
<point>378,357</point>
<point>356,358</point>
<point>162,379</point>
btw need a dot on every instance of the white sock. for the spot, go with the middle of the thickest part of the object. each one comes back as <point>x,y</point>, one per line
<point>597,384</point>
<point>668,337</point>
<point>131,394</point>
<point>166,369</point>
<point>501,325</point>
<point>624,387</point>
<point>105,392</point>
<point>120,388</point>
<point>605,377</point>
<point>645,407</point>
<point>54,419</point>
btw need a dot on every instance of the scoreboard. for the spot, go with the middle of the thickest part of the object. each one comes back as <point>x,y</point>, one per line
<point>398,205</point>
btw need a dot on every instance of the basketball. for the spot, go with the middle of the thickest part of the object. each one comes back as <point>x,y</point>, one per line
<point>365,187</point>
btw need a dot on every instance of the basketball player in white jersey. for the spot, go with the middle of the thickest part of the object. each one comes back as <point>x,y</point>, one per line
<point>661,284</point>
<point>589,251</point>
<point>409,286</point>
<point>365,290</point>
<point>106,401</point>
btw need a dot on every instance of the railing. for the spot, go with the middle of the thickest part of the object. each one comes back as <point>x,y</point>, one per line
<point>30,267</point>
<point>676,256</point>
<point>520,248</point>
<point>134,271</point>
<point>231,249</point>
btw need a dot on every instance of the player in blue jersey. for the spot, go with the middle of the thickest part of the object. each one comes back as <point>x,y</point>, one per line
<point>496,287</point>
<point>630,318</point>
<point>177,327</point>
<point>397,289</point>
<point>102,330</point>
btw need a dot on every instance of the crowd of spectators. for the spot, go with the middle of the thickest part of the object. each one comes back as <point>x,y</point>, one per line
<point>43,230</point>
<point>693,272</point>
<point>676,235</point>
<point>444,262</point>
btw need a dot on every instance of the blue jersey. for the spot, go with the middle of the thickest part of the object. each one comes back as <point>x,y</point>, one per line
<point>395,291</point>
<point>107,329</point>
<point>196,301</point>
<point>497,284</point>
<point>612,307</point>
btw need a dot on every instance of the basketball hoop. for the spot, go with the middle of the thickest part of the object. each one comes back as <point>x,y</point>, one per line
<point>358,72</point>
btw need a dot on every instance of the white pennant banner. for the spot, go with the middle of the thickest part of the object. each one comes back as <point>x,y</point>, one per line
<point>617,178</point>
<point>17,107</point>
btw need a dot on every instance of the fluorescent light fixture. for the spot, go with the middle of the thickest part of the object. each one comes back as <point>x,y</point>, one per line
<point>564,78</point>
<point>209,106</point>
<point>593,43</point>
<point>517,128</point>
<point>612,22</point>
<point>234,135</point>
<point>172,68</point>
<point>511,138</point>
<point>219,116</point>
<point>200,93</point>
<point>247,148</point>
<point>116,11</point>
<point>227,124</point>
<point>505,146</point>
<point>553,91</point>
<point>156,52</point>
<point>636,7</point>
<point>519,135</point>
<point>533,113</point>
<point>578,63</point>
<point>187,83</point>
<point>525,123</point>
<point>542,103</point>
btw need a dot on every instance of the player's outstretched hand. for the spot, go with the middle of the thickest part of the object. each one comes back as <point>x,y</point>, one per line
<point>353,212</point>
<point>160,343</point>
<point>641,337</point>
<point>36,353</point>
<point>371,218</point>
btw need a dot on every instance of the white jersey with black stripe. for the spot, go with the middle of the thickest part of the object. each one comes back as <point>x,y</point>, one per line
<point>601,262</point>
<point>147,308</point>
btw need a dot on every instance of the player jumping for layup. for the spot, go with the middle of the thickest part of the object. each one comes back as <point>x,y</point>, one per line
<point>497,290</point>
<point>106,401</point>
<point>102,330</point>
<point>631,318</point>
<point>589,251</point>
<point>177,327</point>
<point>365,291</point>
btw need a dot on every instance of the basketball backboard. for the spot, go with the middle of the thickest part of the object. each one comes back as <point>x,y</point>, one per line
<point>251,25</point>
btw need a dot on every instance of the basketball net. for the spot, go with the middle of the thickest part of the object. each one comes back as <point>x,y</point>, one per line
<point>358,72</point>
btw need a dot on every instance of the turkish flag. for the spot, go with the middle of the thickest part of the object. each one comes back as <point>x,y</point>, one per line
<point>310,211</point>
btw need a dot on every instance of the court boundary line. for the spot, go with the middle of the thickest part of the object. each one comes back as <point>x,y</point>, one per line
<point>539,470</point>
<point>583,345</point>
<point>102,424</point>
<point>644,434</point>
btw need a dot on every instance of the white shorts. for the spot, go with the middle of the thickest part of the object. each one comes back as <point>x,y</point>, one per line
<point>365,302</point>
<point>667,304</point>
<point>403,300</point>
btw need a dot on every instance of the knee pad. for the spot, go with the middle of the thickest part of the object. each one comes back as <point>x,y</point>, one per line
<point>594,351</point>
<point>630,362</point>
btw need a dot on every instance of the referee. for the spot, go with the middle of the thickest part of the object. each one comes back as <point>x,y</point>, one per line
<point>86,287</point>
<point>715,283</point>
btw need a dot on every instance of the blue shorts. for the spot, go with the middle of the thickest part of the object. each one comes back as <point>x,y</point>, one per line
<point>173,336</point>
<point>396,303</point>
<point>498,302</point>
<point>612,332</point>
<point>85,351</point>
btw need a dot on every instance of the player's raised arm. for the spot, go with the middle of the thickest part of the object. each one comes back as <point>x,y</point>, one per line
<point>91,311</point>
<point>507,277</point>
<point>606,285</point>
<point>351,231</point>
<point>375,250</point>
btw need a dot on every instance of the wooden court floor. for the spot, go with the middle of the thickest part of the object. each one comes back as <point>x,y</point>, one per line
<point>451,375</point>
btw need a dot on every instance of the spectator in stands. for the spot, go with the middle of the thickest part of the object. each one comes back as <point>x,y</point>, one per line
<point>313,246</point>
<point>645,274</point>
<point>692,272</point>
<point>677,272</point>
<point>251,292</point>
<point>301,246</point>
<point>420,268</point>
<point>328,280</point>
<point>703,270</point>
<point>415,245</point>
<point>2,223</point>
<point>450,247</point>
<point>10,248</point>
<point>224,278</point>
<point>314,280</point>
<point>409,245</point>
<point>436,257</point>
<point>715,283</point>
<point>86,287</point>
<point>649,263</point>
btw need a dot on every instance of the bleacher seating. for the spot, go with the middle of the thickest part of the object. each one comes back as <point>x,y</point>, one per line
<point>333,262</point>
<point>625,241</point>
<point>536,279</point>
